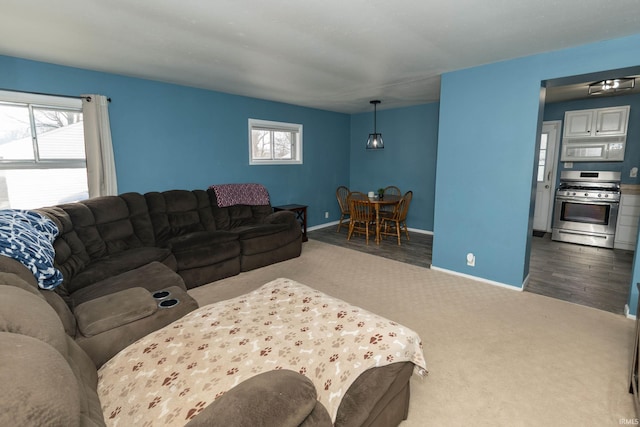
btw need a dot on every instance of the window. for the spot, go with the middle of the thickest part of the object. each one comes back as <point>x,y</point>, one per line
<point>274,143</point>
<point>542,156</point>
<point>42,154</point>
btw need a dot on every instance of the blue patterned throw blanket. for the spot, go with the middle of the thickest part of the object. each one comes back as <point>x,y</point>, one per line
<point>28,236</point>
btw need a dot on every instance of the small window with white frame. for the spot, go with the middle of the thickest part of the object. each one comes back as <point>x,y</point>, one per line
<point>274,143</point>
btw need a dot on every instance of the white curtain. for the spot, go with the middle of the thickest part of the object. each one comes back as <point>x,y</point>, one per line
<point>101,167</point>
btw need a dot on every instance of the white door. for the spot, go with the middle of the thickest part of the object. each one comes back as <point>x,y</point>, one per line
<point>546,175</point>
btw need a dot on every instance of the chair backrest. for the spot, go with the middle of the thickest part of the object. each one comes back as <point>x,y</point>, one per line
<point>356,195</point>
<point>341,194</point>
<point>392,190</point>
<point>403,206</point>
<point>360,209</point>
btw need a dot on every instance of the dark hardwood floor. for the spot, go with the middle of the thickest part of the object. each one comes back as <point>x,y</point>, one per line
<point>416,251</point>
<point>590,276</point>
<point>586,275</point>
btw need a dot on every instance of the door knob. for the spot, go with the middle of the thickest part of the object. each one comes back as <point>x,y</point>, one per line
<point>546,186</point>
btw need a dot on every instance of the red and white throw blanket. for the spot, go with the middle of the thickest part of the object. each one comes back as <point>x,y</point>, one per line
<point>240,194</point>
<point>171,375</point>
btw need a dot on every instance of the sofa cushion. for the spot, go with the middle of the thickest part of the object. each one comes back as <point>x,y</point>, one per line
<point>179,212</point>
<point>71,255</point>
<point>106,345</point>
<point>152,277</point>
<point>201,238</point>
<point>111,224</point>
<point>200,256</point>
<point>114,310</point>
<point>12,273</point>
<point>37,384</point>
<point>12,279</point>
<point>24,313</point>
<point>267,237</point>
<point>85,371</point>
<point>287,399</point>
<point>240,215</point>
<point>252,231</point>
<point>113,265</point>
<point>11,266</point>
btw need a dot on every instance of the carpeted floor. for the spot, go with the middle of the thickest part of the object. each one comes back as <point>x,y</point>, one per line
<point>496,357</point>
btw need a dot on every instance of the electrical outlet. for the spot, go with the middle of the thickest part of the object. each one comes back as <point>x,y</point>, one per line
<point>471,260</point>
<point>326,214</point>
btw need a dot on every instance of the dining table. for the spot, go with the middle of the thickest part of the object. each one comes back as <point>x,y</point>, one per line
<point>377,202</point>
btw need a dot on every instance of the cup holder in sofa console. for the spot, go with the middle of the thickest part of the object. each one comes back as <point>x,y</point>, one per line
<point>168,303</point>
<point>161,294</point>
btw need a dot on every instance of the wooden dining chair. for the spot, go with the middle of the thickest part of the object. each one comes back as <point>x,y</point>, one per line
<point>394,224</point>
<point>390,190</point>
<point>361,215</point>
<point>341,194</point>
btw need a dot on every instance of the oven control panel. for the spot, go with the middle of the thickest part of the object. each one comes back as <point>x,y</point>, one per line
<point>587,195</point>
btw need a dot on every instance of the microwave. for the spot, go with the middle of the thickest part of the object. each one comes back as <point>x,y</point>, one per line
<point>601,151</point>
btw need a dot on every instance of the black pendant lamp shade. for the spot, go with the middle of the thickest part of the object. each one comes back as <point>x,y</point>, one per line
<point>375,139</point>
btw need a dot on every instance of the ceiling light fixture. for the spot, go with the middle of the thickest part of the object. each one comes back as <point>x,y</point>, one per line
<point>375,138</point>
<point>605,87</point>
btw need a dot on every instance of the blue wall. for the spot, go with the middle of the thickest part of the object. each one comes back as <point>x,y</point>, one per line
<point>486,147</point>
<point>407,161</point>
<point>168,136</point>
<point>555,111</point>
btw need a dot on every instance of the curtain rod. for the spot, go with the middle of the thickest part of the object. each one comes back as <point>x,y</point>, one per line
<point>87,98</point>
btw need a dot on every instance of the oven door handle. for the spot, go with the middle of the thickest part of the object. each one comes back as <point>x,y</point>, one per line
<point>587,201</point>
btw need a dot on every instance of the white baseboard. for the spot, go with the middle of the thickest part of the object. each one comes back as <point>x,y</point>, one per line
<point>325,225</point>
<point>479,279</point>
<point>626,313</point>
<point>335,223</point>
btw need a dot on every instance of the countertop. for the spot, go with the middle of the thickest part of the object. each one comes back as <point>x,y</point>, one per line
<point>630,189</point>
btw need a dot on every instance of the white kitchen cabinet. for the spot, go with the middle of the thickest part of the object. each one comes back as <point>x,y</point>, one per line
<point>597,122</point>
<point>627,225</point>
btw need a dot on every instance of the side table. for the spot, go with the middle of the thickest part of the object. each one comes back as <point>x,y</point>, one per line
<point>301,216</point>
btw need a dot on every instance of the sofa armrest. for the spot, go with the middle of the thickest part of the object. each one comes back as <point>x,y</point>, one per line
<point>281,217</point>
<point>281,398</point>
<point>111,311</point>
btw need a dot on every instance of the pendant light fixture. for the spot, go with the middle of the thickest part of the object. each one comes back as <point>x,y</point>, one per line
<point>375,138</point>
<point>607,87</point>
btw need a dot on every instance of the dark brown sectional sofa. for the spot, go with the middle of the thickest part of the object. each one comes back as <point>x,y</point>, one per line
<point>123,249</point>
<point>184,230</point>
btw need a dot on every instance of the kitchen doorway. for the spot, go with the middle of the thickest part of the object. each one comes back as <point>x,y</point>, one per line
<point>591,276</point>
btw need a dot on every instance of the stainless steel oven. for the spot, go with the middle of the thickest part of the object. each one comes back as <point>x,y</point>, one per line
<point>586,208</point>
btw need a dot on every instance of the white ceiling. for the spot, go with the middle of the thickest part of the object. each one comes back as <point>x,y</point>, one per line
<point>331,54</point>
